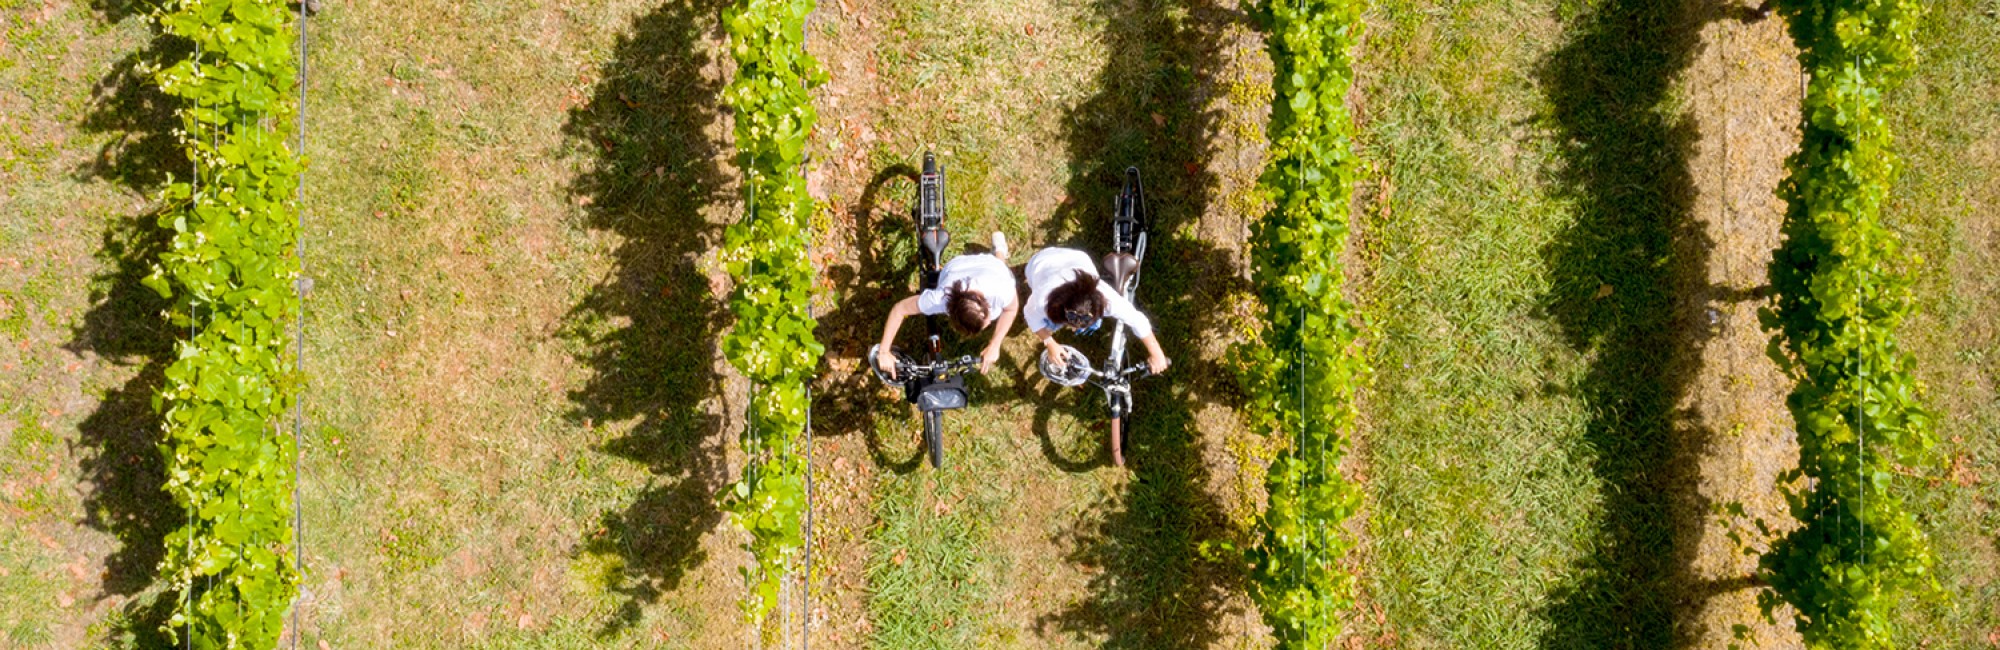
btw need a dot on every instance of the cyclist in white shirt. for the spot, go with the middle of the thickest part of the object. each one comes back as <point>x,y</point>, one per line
<point>976,291</point>
<point>1064,291</point>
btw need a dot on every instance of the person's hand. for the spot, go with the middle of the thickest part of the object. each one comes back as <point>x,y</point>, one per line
<point>988,358</point>
<point>1058,361</point>
<point>886,361</point>
<point>1157,363</point>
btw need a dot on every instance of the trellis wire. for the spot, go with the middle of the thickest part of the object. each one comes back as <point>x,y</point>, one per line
<point>756,639</point>
<point>194,194</point>
<point>299,340</point>
<point>785,611</point>
<point>805,598</point>
<point>1860,423</point>
<point>805,595</point>
<point>1305,419</point>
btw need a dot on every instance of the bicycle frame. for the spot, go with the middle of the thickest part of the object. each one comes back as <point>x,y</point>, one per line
<point>1128,235</point>
<point>1117,385</point>
<point>939,385</point>
<point>932,238</point>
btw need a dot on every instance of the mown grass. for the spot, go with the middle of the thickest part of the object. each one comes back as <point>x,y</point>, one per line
<point>1945,120</point>
<point>939,568</point>
<point>1522,425</point>
<point>1043,125</point>
<point>1481,475</point>
<point>932,576</point>
<point>83,146</point>
<point>513,389</point>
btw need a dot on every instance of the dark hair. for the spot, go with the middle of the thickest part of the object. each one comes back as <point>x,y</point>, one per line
<point>1079,295</point>
<point>966,307</point>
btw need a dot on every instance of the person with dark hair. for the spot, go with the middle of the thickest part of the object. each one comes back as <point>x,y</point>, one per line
<point>1065,292</point>
<point>975,291</point>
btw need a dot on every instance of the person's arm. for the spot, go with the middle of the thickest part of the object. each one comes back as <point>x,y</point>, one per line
<point>992,353</point>
<point>1130,317</point>
<point>1118,308</point>
<point>1155,359</point>
<point>883,358</point>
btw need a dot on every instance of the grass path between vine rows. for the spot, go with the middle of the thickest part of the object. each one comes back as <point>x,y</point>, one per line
<point>1566,250</point>
<point>82,345</point>
<point>511,443</point>
<point>1028,538</point>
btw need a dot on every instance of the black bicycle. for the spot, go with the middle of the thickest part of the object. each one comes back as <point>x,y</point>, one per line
<point>938,385</point>
<point>1121,270</point>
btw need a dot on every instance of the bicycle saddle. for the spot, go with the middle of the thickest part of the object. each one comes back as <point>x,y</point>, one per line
<point>934,242</point>
<point>1119,267</point>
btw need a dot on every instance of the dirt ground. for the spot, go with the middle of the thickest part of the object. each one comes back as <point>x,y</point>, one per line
<point>1742,97</point>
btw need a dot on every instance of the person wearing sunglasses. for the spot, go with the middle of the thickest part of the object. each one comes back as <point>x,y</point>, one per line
<point>1064,292</point>
<point>975,290</point>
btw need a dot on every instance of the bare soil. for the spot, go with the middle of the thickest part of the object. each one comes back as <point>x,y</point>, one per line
<point>1742,97</point>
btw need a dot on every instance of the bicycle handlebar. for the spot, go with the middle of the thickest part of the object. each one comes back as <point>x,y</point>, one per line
<point>1123,376</point>
<point>942,368</point>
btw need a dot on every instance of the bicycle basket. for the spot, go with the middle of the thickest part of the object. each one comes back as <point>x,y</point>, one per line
<point>942,396</point>
<point>901,360</point>
<point>1076,369</point>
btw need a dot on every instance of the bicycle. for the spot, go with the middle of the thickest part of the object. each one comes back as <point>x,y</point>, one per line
<point>939,385</point>
<point>1129,230</point>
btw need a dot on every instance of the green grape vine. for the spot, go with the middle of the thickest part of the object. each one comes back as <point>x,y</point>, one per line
<point>229,274</point>
<point>1306,366</point>
<point>1840,298</point>
<point>772,340</point>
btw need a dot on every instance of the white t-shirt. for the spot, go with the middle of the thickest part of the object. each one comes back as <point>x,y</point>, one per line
<point>985,274</point>
<point>1051,267</point>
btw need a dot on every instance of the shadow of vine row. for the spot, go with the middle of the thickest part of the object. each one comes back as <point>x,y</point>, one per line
<point>651,135</point>
<point>1625,156</point>
<point>119,456</point>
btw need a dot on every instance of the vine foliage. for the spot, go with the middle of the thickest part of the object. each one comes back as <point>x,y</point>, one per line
<point>772,340</point>
<point>229,273</point>
<point>1840,298</point>
<point>1304,371</point>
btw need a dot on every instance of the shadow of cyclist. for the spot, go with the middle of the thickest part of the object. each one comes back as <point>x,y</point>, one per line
<point>883,272</point>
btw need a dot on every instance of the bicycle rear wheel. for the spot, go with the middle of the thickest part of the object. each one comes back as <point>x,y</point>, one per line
<point>934,437</point>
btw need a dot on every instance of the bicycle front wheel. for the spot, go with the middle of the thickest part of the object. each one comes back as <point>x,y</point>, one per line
<point>1120,431</point>
<point>934,437</point>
